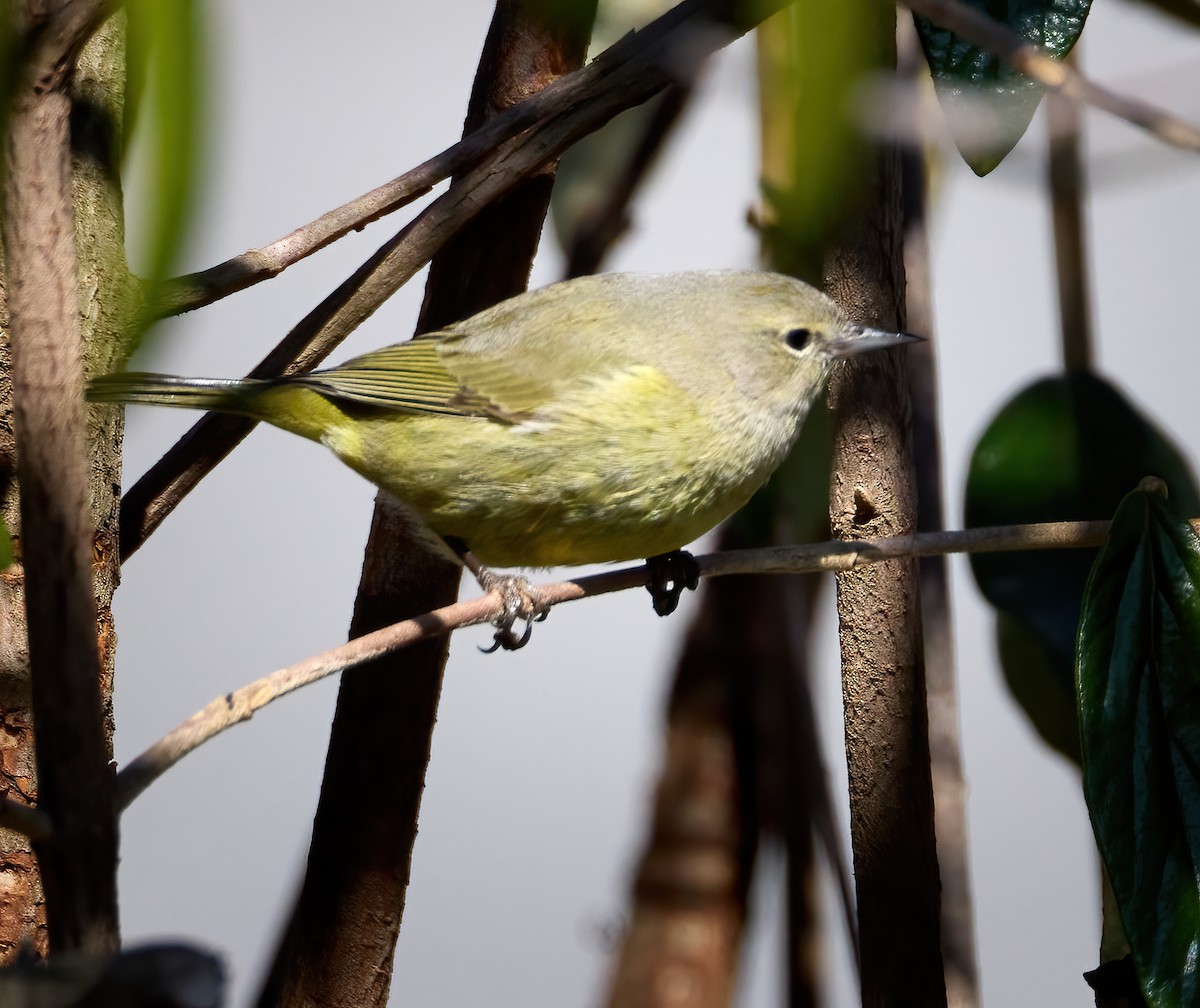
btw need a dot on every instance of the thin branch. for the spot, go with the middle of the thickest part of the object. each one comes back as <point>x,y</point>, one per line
<point>626,82</point>
<point>603,224</point>
<point>941,677</point>
<point>56,38</point>
<point>242,704</point>
<point>677,33</point>
<point>26,820</point>
<point>196,290</point>
<point>1066,182</point>
<point>995,38</point>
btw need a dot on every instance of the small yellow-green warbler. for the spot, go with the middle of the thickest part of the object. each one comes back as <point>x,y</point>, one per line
<point>604,418</point>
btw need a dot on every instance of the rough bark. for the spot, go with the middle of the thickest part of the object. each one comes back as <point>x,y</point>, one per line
<point>56,644</point>
<point>339,942</point>
<point>883,676</point>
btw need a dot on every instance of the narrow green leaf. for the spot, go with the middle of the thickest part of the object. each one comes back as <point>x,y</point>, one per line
<point>813,59</point>
<point>987,104</point>
<point>165,98</point>
<point>1139,717</point>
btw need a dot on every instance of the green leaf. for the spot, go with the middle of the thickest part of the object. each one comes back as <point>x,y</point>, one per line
<point>1139,717</point>
<point>1065,448</point>
<point>988,104</point>
<point>165,98</point>
<point>813,59</point>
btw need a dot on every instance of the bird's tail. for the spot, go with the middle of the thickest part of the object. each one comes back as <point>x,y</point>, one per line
<point>223,394</point>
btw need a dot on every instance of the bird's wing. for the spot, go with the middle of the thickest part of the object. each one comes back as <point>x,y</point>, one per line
<point>409,377</point>
<point>461,373</point>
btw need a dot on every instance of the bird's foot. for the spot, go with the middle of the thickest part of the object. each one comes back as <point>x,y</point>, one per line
<point>667,575</point>
<point>520,600</point>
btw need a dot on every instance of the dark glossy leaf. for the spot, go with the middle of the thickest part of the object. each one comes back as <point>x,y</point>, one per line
<point>1139,715</point>
<point>1065,448</point>
<point>1046,696</point>
<point>987,104</point>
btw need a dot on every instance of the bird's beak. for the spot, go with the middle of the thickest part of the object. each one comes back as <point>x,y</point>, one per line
<point>856,339</point>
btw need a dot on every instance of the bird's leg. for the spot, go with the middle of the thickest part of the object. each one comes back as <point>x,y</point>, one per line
<point>667,575</point>
<point>520,599</point>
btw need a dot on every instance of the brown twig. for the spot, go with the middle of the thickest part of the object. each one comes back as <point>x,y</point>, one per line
<point>603,79</point>
<point>241,704</point>
<point>994,37</point>
<point>1065,176</point>
<point>196,290</point>
<point>26,820</point>
<point>601,226</point>
<point>945,737</point>
<point>78,862</point>
<point>628,73</point>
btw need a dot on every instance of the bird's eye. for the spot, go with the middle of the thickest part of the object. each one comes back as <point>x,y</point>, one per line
<point>798,339</point>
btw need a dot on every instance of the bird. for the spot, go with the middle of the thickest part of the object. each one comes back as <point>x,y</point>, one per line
<point>605,418</point>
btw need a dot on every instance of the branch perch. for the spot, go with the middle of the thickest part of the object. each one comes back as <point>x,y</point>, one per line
<point>243,703</point>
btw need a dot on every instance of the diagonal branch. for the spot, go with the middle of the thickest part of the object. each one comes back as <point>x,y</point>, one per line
<point>196,290</point>
<point>623,75</point>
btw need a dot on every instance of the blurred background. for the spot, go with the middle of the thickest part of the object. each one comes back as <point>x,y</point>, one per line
<point>543,760</point>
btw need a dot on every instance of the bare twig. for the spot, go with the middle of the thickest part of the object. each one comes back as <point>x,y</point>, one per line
<point>994,37</point>
<point>605,79</point>
<point>602,225</point>
<point>945,737</point>
<point>78,862</point>
<point>1065,175</point>
<point>631,73</point>
<point>24,819</point>
<point>873,490</point>
<point>241,704</point>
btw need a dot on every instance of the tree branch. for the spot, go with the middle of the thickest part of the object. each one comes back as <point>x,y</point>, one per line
<point>623,75</point>
<point>241,704</point>
<point>24,819</point>
<point>78,862</point>
<point>994,37</point>
<point>196,290</point>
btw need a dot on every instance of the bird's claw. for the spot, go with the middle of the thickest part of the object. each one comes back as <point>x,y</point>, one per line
<point>519,601</point>
<point>667,575</point>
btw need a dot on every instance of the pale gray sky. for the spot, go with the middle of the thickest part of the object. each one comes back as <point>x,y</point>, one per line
<point>543,759</point>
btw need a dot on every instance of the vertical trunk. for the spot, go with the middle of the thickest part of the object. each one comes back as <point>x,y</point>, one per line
<point>682,945</point>
<point>338,946</point>
<point>883,675</point>
<point>57,642</point>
